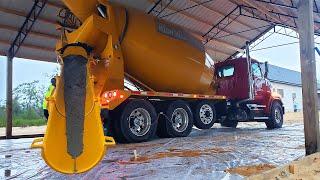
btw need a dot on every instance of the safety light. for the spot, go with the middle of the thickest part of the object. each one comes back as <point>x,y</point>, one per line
<point>114,93</point>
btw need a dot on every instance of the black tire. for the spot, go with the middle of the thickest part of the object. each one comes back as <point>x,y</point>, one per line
<point>115,125</point>
<point>167,122</point>
<point>276,116</point>
<point>229,123</point>
<point>140,108</point>
<point>204,114</point>
<point>106,120</point>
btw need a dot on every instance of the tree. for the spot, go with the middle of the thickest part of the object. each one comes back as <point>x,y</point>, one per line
<point>28,98</point>
<point>2,109</point>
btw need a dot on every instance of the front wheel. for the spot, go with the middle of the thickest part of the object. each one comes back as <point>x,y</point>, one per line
<point>204,115</point>
<point>276,116</point>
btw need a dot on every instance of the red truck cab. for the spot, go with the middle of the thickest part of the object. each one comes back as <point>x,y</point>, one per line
<point>249,93</point>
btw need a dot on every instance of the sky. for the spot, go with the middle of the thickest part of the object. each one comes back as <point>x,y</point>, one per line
<point>284,56</point>
<point>25,71</point>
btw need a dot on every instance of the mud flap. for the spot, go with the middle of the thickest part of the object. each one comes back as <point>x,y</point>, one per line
<point>74,141</point>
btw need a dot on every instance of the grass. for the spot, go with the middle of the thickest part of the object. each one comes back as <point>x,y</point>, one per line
<point>18,122</point>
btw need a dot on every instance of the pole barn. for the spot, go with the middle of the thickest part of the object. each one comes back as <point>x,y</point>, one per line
<point>226,26</point>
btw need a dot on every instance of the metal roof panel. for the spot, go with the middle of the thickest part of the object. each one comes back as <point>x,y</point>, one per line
<point>198,19</point>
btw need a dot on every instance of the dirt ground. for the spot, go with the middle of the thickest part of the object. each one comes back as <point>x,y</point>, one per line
<point>307,168</point>
<point>25,130</point>
<point>217,153</point>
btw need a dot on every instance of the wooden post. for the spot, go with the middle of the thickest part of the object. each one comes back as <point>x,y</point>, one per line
<point>308,76</point>
<point>9,97</point>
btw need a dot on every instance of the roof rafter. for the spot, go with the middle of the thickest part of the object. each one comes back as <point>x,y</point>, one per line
<point>225,44</point>
<point>279,10</point>
<point>31,57</point>
<point>206,22</point>
<point>30,46</point>
<point>35,33</point>
<point>222,14</point>
<point>56,5</point>
<point>210,48</point>
<point>23,14</point>
<point>279,7</point>
<point>190,16</point>
<point>217,41</point>
<point>261,9</point>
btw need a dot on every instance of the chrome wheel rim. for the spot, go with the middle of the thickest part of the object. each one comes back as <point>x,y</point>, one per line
<point>206,114</point>
<point>139,122</point>
<point>180,119</point>
<point>277,115</point>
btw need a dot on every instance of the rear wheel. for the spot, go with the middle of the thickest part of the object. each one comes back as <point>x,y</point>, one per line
<point>137,121</point>
<point>177,120</point>
<point>204,115</point>
<point>276,116</point>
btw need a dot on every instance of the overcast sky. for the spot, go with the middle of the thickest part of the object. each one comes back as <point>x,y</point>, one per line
<point>28,71</point>
<point>25,71</point>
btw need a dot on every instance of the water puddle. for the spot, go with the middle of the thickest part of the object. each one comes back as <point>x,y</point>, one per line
<point>184,153</point>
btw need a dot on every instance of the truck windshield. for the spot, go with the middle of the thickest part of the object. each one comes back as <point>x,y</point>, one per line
<point>225,71</point>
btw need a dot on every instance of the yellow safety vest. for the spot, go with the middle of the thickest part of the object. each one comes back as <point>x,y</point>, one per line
<point>47,94</point>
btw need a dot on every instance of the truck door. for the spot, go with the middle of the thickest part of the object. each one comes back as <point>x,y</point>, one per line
<point>259,83</point>
<point>226,80</point>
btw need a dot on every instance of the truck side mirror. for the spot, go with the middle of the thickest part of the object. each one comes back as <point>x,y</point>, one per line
<point>266,69</point>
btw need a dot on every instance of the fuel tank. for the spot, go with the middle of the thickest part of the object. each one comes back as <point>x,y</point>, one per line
<point>162,56</point>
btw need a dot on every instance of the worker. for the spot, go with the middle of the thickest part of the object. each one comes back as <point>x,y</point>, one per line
<point>48,94</point>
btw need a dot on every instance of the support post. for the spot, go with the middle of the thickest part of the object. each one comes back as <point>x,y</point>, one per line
<point>13,50</point>
<point>250,80</point>
<point>9,97</point>
<point>308,76</point>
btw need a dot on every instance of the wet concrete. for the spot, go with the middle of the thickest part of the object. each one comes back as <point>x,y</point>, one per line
<point>205,154</point>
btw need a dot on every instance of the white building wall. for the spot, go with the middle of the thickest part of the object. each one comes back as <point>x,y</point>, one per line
<point>287,98</point>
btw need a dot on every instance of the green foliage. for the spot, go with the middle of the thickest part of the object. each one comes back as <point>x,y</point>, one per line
<point>27,105</point>
<point>27,100</point>
<point>2,122</point>
<point>29,95</point>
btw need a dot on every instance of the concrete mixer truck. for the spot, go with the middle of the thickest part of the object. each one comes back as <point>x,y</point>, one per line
<point>112,43</point>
